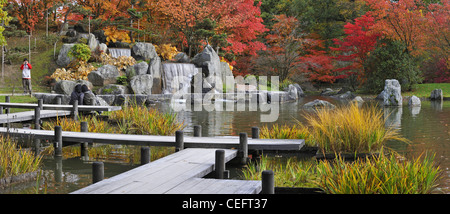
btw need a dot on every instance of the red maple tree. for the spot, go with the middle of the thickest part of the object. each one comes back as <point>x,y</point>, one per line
<point>356,46</point>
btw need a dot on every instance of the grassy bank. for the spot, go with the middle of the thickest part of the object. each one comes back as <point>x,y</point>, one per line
<point>424,90</point>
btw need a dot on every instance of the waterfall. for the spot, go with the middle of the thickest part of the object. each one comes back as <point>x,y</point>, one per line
<point>177,77</point>
<point>116,52</point>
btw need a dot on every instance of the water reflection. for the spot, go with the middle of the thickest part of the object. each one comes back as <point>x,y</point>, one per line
<point>428,128</point>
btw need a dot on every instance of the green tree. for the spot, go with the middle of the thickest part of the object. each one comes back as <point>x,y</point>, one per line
<point>390,60</point>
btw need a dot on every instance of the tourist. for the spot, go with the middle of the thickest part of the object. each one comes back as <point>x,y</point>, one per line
<point>26,76</point>
<point>89,97</point>
<point>77,94</point>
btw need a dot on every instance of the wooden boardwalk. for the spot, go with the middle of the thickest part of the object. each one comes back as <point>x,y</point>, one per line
<point>155,140</point>
<point>179,173</point>
<point>60,107</point>
<point>29,115</point>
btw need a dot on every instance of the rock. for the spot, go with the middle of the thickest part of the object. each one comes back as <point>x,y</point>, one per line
<point>63,59</point>
<point>209,61</point>
<point>344,89</point>
<point>414,101</point>
<point>143,51</point>
<point>182,58</point>
<point>93,43</point>
<point>318,104</point>
<point>358,99</point>
<point>102,48</point>
<point>155,69</point>
<point>113,89</point>
<point>347,95</point>
<point>138,69</point>
<point>49,98</point>
<point>327,92</point>
<point>108,98</point>
<point>300,92</point>
<point>380,96</point>
<point>142,84</point>
<point>82,28</point>
<point>292,92</point>
<point>225,71</point>
<point>105,75</point>
<point>66,86</point>
<point>437,94</point>
<point>392,93</point>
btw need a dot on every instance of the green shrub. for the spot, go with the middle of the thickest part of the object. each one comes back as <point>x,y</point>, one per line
<point>81,52</point>
<point>391,60</point>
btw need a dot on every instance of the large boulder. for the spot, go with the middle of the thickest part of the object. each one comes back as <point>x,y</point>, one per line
<point>414,101</point>
<point>292,92</point>
<point>142,84</point>
<point>155,69</point>
<point>137,69</point>
<point>182,58</point>
<point>143,51</point>
<point>225,71</point>
<point>93,43</point>
<point>437,94</point>
<point>209,61</point>
<point>113,89</point>
<point>63,58</point>
<point>392,93</point>
<point>66,86</point>
<point>105,75</point>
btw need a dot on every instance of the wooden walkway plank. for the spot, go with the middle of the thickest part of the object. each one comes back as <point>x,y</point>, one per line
<point>29,115</point>
<point>160,176</point>
<point>154,140</point>
<point>60,107</point>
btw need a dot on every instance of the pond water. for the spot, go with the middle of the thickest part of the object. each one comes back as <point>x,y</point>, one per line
<point>428,127</point>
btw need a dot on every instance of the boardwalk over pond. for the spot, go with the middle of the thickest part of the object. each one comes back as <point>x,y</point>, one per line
<point>156,140</point>
<point>29,115</point>
<point>179,173</point>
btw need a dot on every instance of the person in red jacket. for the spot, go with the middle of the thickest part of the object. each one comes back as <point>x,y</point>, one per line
<point>26,76</point>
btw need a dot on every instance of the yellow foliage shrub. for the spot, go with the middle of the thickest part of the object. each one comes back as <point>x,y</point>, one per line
<point>166,51</point>
<point>80,70</point>
<point>113,35</point>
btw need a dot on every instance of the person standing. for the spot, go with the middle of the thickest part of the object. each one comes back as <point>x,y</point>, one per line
<point>26,76</point>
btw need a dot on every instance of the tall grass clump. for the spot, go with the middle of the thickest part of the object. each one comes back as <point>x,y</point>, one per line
<point>136,119</point>
<point>296,131</point>
<point>15,161</point>
<point>350,129</point>
<point>289,173</point>
<point>379,175</point>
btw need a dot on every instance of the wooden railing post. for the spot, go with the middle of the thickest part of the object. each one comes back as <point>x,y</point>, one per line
<point>179,141</point>
<point>267,182</point>
<point>7,100</point>
<point>243,148</point>
<point>197,131</point>
<point>84,145</point>
<point>37,114</point>
<point>145,155</point>
<point>58,141</point>
<point>255,132</point>
<point>98,171</point>
<point>75,110</point>
<point>220,164</point>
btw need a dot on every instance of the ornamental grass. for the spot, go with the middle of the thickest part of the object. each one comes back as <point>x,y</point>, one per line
<point>379,175</point>
<point>350,129</point>
<point>14,160</point>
